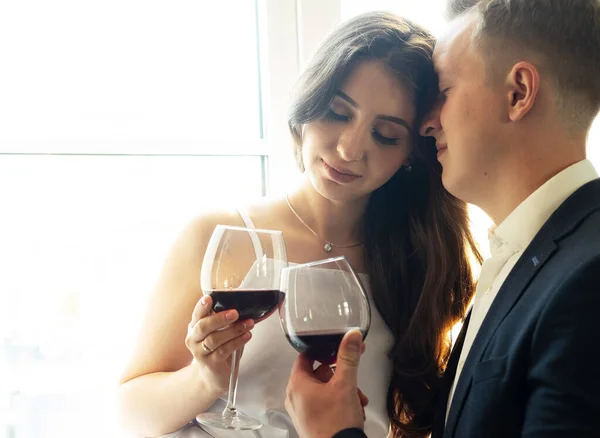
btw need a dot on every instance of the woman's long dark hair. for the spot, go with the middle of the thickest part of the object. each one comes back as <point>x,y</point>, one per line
<point>418,246</point>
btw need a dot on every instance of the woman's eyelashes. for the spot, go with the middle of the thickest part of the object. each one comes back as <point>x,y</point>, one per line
<point>336,116</point>
<point>383,139</point>
<point>332,115</point>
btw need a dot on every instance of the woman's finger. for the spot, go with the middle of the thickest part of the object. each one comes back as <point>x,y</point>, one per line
<point>227,349</point>
<point>201,310</point>
<point>220,337</point>
<point>211,323</point>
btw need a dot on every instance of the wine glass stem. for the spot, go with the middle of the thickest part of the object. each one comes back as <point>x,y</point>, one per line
<point>230,411</point>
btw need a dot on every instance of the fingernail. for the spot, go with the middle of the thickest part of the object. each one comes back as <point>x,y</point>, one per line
<point>246,336</point>
<point>249,324</point>
<point>230,314</point>
<point>354,343</point>
<point>203,300</point>
<point>354,346</point>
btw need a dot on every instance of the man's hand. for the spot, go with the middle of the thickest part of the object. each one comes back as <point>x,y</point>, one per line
<point>324,373</point>
<point>320,408</point>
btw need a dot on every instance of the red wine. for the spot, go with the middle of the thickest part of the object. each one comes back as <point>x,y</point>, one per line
<point>322,345</point>
<point>256,304</point>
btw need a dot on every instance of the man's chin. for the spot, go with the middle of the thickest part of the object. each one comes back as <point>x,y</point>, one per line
<point>450,183</point>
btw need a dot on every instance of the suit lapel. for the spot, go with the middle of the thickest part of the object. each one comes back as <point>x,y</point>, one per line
<point>441,405</point>
<point>580,205</point>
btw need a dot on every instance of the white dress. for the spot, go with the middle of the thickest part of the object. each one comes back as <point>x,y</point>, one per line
<point>265,369</point>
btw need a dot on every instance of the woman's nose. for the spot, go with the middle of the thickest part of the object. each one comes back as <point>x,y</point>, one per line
<point>351,146</point>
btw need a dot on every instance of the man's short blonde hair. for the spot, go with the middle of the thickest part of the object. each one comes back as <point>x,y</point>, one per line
<point>561,37</point>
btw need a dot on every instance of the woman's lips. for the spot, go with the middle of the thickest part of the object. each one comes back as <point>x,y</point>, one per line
<point>340,175</point>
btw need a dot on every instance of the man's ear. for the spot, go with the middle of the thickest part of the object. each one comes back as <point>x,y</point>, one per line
<point>523,84</point>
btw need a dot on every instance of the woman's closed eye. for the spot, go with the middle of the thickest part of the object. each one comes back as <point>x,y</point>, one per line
<point>335,116</point>
<point>383,139</point>
<point>384,133</point>
<point>388,133</point>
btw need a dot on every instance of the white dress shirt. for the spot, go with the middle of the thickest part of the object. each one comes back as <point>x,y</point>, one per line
<point>511,238</point>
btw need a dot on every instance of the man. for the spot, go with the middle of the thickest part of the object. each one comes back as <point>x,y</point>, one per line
<point>520,87</point>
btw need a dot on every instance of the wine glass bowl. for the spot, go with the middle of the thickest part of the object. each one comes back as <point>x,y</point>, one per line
<point>323,301</point>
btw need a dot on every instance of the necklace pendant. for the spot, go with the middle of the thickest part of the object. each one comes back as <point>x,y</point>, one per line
<point>327,247</point>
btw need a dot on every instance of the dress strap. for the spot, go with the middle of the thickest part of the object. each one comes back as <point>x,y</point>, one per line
<point>246,218</point>
<point>254,236</point>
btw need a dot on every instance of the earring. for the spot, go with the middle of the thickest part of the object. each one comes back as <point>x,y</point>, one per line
<point>407,168</point>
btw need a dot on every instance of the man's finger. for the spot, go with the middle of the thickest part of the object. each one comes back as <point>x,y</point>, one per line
<point>364,400</point>
<point>348,358</point>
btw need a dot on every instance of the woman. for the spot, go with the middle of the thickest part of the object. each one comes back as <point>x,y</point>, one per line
<point>373,193</point>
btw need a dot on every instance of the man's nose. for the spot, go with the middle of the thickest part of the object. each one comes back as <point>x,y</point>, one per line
<point>431,123</point>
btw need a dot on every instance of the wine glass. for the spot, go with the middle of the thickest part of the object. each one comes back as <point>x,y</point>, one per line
<point>241,270</point>
<point>323,300</point>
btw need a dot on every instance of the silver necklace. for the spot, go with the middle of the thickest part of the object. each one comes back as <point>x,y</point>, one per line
<point>328,245</point>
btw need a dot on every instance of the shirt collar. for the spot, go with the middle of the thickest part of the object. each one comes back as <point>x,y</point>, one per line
<point>520,227</point>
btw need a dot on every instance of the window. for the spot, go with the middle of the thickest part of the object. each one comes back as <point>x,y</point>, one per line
<point>119,122</point>
<point>130,77</point>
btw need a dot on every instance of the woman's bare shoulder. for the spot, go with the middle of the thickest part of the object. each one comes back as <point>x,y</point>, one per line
<point>268,213</point>
<point>205,223</point>
<point>257,209</point>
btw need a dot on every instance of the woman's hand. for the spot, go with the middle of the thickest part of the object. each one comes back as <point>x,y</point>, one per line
<point>212,338</point>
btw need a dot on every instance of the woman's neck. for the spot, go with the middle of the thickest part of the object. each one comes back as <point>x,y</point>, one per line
<point>337,222</point>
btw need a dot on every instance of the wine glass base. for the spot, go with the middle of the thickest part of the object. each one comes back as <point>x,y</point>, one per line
<point>238,422</point>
